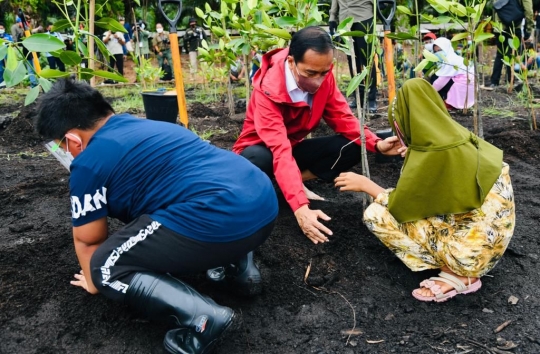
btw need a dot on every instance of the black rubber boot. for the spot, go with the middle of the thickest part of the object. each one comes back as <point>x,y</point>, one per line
<point>162,297</point>
<point>243,275</point>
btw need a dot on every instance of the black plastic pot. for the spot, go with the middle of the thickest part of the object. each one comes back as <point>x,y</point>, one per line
<point>383,134</point>
<point>159,106</point>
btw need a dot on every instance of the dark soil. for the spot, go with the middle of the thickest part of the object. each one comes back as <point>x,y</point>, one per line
<point>354,299</point>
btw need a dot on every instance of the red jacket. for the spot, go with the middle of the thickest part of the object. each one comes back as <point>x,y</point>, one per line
<point>274,120</point>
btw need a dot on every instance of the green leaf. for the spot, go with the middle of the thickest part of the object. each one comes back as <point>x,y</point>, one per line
<point>482,37</point>
<point>12,59</point>
<point>460,36</point>
<point>108,75</point>
<point>430,56</point>
<point>69,57</point>
<point>401,36</point>
<point>42,42</point>
<point>514,43</point>
<point>218,31</point>
<point>14,77</point>
<point>137,2</point>
<point>3,51</point>
<point>61,25</point>
<point>45,84</point>
<point>207,7</point>
<point>199,12</point>
<point>352,34</point>
<point>251,4</point>
<point>31,96</point>
<point>83,48</point>
<point>345,24</point>
<point>266,19</point>
<point>421,65</point>
<point>53,74</point>
<point>110,24</point>
<point>355,82</point>
<point>458,9</point>
<point>278,32</point>
<point>224,8</point>
<point>404,10</point>
<point>286,21</point>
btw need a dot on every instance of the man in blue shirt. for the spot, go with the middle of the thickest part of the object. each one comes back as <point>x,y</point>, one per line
<point>186,204</point>
<point>6,37</point>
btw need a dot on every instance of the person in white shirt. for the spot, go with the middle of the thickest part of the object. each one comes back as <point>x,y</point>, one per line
<point>114,43</point>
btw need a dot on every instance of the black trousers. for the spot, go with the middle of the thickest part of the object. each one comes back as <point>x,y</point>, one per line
<point>56,63</point>
<point>503,49</point>
<point>118,60</point>
<point>318,155</point>
<point>362,52</point>
<point>145,245</point>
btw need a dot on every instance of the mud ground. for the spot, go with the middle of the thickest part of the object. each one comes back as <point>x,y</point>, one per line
<point>355,299</point>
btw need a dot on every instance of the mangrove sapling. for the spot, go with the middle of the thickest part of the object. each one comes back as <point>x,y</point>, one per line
<point>17,66</point>
<point>522,75</point>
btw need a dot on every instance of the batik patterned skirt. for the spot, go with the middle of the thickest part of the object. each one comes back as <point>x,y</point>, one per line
<point>470,244</point>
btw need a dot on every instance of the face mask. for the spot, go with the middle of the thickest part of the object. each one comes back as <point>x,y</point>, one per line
<point>441,55</point>
<point>429,46</point>
<point>142,26</point>
<point>307,84</point>
<point>159,30</point>
<point>469,42</point>
<point>2,31</point>
<point>64,157</point>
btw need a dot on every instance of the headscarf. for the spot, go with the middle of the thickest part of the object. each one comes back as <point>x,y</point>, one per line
<point>448,169</point>
<point>453,65</point>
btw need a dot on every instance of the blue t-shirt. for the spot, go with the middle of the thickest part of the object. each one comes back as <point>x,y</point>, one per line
<point>134,166</point>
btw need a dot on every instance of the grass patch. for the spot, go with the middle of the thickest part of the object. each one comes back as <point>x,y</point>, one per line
<point>12,96</point>
<point>129,103</point>
<point>498,113</point>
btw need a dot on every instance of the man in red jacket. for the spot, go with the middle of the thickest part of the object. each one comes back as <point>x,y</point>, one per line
<point>293,90</point>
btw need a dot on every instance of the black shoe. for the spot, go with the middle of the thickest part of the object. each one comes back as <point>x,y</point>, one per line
<point>199,321</point>
<point>243,275</point>
<point>372,107</point>
<point>353,104</point>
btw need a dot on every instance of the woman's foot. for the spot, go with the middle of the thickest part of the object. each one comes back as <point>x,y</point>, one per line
<point>446,286</point>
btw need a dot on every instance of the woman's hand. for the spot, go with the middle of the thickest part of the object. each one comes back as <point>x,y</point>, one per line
<point>350,181</point>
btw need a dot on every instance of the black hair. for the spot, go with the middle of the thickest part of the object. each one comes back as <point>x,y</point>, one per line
<point>314,38</point>
<point>2,24</point>
<point>70,104</point>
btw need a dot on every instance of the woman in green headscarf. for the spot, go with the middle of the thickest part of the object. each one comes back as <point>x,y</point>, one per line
<point>453,206</point>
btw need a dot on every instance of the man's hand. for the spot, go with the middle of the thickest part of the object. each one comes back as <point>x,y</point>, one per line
<point>332,27</point>
<point>391,146</point>
<point>81,281</point>
<point>350,181</point>
<point>310,225</point>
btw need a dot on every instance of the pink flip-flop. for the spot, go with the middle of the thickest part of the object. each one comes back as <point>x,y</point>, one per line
<point>460,288</point>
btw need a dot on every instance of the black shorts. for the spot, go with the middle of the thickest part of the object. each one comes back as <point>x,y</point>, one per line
<point>144,245</point>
